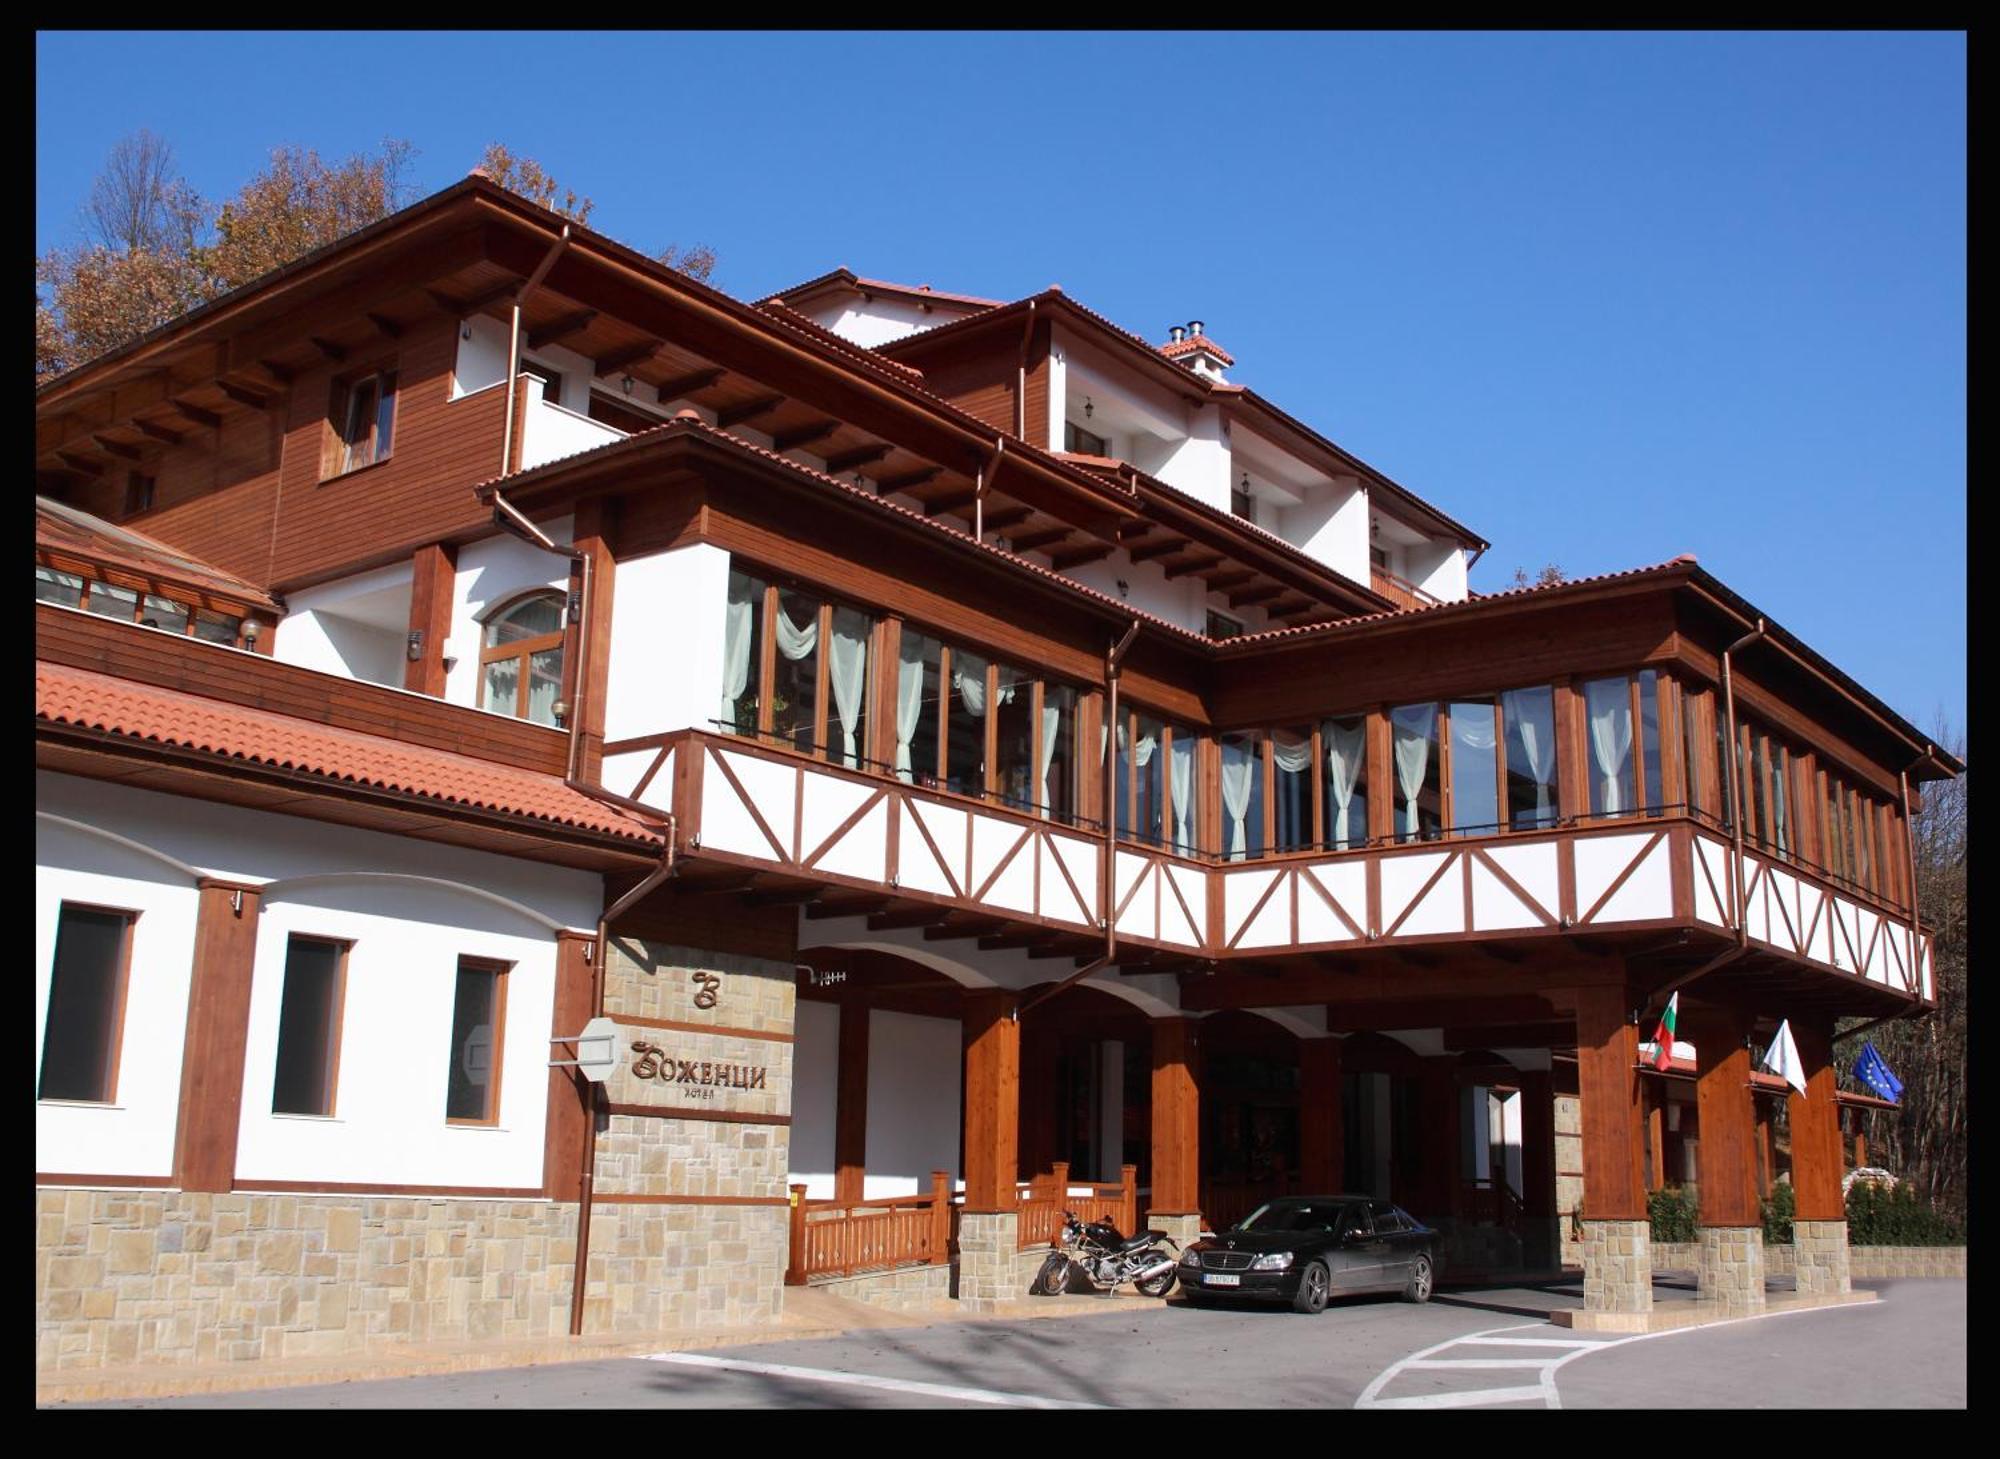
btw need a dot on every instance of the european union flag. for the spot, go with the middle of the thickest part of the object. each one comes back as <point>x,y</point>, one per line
<point>1872,1070</point>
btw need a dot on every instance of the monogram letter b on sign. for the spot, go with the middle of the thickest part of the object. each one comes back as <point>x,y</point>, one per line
<point>706,985</point>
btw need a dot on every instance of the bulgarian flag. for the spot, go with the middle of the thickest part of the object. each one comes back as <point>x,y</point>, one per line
<point>1663,1037</point>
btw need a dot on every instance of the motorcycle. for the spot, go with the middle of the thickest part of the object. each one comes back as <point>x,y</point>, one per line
<point>1106,1259</point>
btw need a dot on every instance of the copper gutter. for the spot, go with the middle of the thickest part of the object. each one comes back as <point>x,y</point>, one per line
<point>514,343</point>
<point>1107,883</point>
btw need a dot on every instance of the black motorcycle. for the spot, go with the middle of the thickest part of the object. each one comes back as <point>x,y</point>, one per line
<point>1106,1259</point>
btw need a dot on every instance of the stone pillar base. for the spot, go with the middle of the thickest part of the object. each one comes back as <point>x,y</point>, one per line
<point>1617,1266</point>
<point>1184,1228</point>
<point>1731,1270</point>
<point>1819,1258</point>
<point>989,1258</point>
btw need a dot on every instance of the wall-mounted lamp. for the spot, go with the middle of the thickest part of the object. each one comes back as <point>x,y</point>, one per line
<point>561,710</point>
<point>415,647</point>
<point>1124,588</point>
<point>251,628</point>
<point>465,330</point>
<point>626,384</point>
<point>1086,407</point>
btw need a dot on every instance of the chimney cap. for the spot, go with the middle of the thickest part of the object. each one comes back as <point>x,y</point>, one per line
<point>1176,333</point>
<point>1194,328</point>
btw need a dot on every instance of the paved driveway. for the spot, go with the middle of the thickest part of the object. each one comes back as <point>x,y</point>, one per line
<point>1483,1348</point>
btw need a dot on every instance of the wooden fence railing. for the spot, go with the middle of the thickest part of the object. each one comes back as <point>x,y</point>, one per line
<point>1046,1197</point>
<point>1490,1203</point>
<point>842,1238</point>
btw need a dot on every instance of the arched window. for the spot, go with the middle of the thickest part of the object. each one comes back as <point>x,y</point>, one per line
<point>521,658</point>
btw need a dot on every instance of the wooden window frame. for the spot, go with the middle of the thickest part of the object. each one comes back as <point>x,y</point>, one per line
<point>121,998</point>
<point>522,650</point>
<point>336,459</point>
<point>337,1025</point>
<point>500,970</point>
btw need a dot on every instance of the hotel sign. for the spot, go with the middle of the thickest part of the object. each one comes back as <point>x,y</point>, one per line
<point>658,1064</point>
<point>668,1067</point>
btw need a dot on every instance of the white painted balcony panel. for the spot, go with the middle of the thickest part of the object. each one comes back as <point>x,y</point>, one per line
<point>1333,902</point>
<point>829,800</point>
<point>861,851</point>
<point>1495,905</point>
<point>1243,892</point>
<point>1402,879</point>
<point>1069,878</point>
<point>549,433</point>
<point>1184,906</point>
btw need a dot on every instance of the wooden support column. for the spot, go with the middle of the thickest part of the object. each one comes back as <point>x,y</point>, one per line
<point>850,1109</point>
<point>1728,1121</point>
<point>1860,1143</point>
<point>433,568</point>
<point>567,1124</point>
<point>1817,1154</point>
<point>1766,1152</point>
<point>1656,1137</point>
<point>1607,1058</point>
<point>594,527</point>
<point>1441,1160</point>
<point>992,1101</point>
<point>1176,1117</point>
<point>1321,1159</point>
<point>218,1027</point>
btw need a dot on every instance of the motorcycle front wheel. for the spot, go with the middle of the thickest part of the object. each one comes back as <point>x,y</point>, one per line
<point>1053,1279</point>
<point>1158,1286</point>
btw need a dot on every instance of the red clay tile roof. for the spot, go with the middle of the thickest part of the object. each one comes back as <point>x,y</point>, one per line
<point>67,529</point>
<point>840,277</point>
<point>89,700</point>
<point>1197,342</point>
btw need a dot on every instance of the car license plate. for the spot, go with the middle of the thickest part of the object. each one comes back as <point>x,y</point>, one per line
<point>1216,1280</point>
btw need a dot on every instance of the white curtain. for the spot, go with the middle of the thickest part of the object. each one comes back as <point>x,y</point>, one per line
<point>1345,752</point>
<point>1779,769</point>
<point>847,668</point>
<point>1291,753</point>
<point>1051,727</point>
<point>1181,767</point>
<point>1609,704</point>
<point>909,701</point>
<point>1415,724</point>
<point>1532,715</point>
<point>794,642</point>
<point>970,682</point>
<point>1239,764</point>
<point>737,624</point>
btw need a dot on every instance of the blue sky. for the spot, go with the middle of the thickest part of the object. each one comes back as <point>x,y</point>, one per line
<point>1604,298</point>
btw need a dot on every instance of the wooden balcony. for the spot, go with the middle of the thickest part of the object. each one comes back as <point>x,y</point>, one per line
<point>1400,591</point>
<point>799,829</point>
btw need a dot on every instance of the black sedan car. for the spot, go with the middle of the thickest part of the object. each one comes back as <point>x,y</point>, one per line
<point>1305,1249</point>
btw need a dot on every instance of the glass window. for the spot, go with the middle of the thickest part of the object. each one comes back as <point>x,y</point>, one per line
<point>1344,745</point>
<point>1649,739</point>
<point>217,627</point>
<point>86,1005</point>
<point>847,677</point>
<point>164,614</point>
<point>309,1027</point>
<point>53,586</point>
<point>472,1084</point>
<point>1413,745</point>
<point>1608,708</point>
<point>742,645</point>
<point>108,600</point>
<point>1083,442</point>
<point>1139,783</point>
<point>1475,766</point>
<point>795,669</point>
<point>1060,770</point>
<point>1864,850</point>
<point>965,725</point>
<point>917,670</point>
<point>1183,787</point>
<point>1723,760</point>
<point>521,659</point>
<point>1242,796</point>
<point>367,420</point>
<point>1292,789</point>
<point>1530,719</point>
<point>1014,778</point>
<point>1691,737</point>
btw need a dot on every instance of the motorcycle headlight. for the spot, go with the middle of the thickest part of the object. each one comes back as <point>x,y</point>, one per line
<point>1277,1261</point>
<point>1190,1258</point>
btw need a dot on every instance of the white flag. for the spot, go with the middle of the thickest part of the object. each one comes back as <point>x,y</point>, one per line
<point>1782,1058</point>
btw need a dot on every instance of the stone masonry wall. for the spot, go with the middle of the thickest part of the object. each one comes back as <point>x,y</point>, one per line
<point>1617,1266</point>
<point>1820,1247</point>
<point>912,1289</point>
<point>1730,1271</point>
<point>1569,1173</point>
<point>175,1277</point>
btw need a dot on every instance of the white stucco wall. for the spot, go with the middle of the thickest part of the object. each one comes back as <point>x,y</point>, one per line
<point>482,362</point>
<point>1198,463</point>
<point>1331,526</point>
<point>815,1089</point>
<point>489,572</point>
<point>134,1133</point>
<point>665,668</point>
<point>1438,568</point>
<point>356,626</point>
<point>913,1120</point>
<point>872,322</point>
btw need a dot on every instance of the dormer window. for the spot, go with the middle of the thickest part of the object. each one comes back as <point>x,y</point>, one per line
<point>1082,442</point>
<point>521,659</point>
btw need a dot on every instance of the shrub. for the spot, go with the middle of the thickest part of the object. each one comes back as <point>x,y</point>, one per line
<point>1879,1216</point>
<point>1778,1212</point>
<point>1672,1213</point>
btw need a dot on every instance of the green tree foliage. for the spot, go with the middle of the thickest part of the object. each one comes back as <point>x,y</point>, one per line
<point>1880,1216</point>
<point>1779,1210</point>
<point>1673,1214</point>
<point>531,180</point>
<point>1550,574</point>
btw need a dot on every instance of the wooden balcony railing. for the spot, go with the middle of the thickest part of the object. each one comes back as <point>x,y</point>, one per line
<point>1046,1197</point>
<point>843,1239</point>
<point>1399,590</point>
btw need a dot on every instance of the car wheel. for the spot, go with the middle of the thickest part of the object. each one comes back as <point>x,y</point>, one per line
<point>1313,1288</point>
<point>1419,1288</point>
<point>1158,1286</point>
<point>1053,1279</point>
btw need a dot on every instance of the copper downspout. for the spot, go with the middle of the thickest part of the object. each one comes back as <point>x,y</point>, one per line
<point>1910,864</point>
<point>514,344</point>
<point>1021,375</point>
<point>1107,883</point>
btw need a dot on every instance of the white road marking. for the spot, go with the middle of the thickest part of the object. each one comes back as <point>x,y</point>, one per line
<point>867,1380</point>
<point>1546,1390</point>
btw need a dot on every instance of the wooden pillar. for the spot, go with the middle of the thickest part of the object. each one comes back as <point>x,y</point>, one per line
<point>1538,1144</point>
<point>592,534</point>
<point>1728,1121</point>
<point>433,568</point>
<point>218,1027</point>
<point>992,1101</point>
<point>1765,1151</point>
<point>1607,1058</point>
<point>567,1122</point>
<point>1656,1136</point>
<point>1321,1159</point>
<point>1176,1117</point>
<point>1817,1154</point>
<point>850,1109</point>
<point>1860,1144</point>
<point>1441,1160</point>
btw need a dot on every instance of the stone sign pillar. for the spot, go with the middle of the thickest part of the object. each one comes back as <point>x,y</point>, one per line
<point>690,1218</point>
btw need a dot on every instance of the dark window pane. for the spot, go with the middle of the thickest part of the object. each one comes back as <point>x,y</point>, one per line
<point>795,672</point>
<point>1607,707</point>
<point>1696,780</point>
<point>475,1043</point>
<point>217,627</point>
<point>742,644</point>
<point>1649,735</point>
<point>164,614</point>
<point>1414,767</point>
<point>1059,760</point>
<point>79,1051</point>
<point>385,417</point>
<point>1242,796</point>
<point>1344,749</point>
<point>917,707</point>
<point>847,677</point>
<point>308,1028</point>
<point>1014,747</point>
<point>110,601</point>
<point>1475,767</point>
<point>52,586</point>
<point>1292,788</point>
<point>965,725</point>
<point>1530,719</point>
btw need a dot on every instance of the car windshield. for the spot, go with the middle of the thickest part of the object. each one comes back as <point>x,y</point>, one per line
<point>1291,1216</point>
